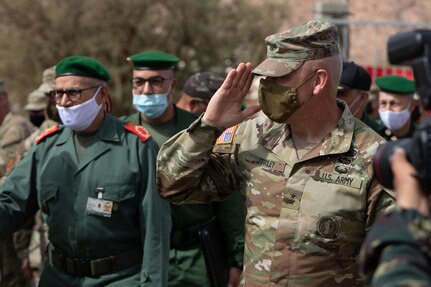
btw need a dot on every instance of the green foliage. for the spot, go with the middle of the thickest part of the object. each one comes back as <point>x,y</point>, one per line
<point>206,34</point>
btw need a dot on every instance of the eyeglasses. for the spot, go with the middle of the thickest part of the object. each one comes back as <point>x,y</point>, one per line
<point>71,94</point>
<point>155,82</point>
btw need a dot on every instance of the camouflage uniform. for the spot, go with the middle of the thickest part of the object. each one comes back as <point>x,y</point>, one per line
<point>397,250</point>
<point>306,218</point>
<point>38,100</point>
<point>13,131</point>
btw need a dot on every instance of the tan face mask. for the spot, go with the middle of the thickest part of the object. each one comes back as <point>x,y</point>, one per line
<point>278,102</point>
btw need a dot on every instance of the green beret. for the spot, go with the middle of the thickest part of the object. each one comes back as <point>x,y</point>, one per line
<point>81,66</point>
<point>396,85</point>
<point>153,60</point>
<point>288,50</point>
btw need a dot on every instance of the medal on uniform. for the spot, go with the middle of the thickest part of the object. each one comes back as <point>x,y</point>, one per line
<point>98,206</point>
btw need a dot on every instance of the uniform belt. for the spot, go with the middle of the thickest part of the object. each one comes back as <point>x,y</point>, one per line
<point>96,267</point>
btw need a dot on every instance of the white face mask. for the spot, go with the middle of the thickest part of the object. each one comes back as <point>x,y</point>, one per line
<point>395,120</point>
<point>80,117</point>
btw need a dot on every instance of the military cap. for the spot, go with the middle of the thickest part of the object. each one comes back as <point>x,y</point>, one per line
<point>48,80</point>
<point>203,86</point>
<point>396,85</point>
<point>354,77</point>
<point>81,66</point>
<point>36,101</point>
<point>2,87</point>
<point>288,50</point>
<point>153,60</point>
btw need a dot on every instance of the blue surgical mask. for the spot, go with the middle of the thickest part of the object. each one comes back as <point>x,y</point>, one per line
<point>151,105</point>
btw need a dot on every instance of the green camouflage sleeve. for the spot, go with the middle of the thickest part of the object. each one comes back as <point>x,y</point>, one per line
<point>189,172</point>
<point>397,250</point>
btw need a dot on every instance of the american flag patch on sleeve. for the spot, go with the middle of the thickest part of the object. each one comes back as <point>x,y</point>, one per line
<point>227,136</point>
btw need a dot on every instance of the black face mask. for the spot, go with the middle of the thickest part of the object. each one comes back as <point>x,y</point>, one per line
<point>37,120</point>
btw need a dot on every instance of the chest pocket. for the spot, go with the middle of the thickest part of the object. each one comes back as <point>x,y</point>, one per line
<point>119,194</point>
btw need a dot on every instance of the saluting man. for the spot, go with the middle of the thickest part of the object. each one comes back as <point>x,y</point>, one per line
<point>305,169</point>
<point>94,180</point>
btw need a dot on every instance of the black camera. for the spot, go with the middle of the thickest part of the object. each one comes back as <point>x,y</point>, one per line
<point>412,48</point>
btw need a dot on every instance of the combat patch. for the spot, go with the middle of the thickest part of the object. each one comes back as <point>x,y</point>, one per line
<point>47,132</point>
<point>328,177</point>
<point>138,130</point>
<point>328,227</point>
<point>227,136</point>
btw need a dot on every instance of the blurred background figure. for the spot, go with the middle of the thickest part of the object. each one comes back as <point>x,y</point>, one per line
<point>395,106</point>
<point>41,107</point>
<point>198,90</point>
<point>372,107</point>
<point>419,114</point>
<point>354,90</point>
<point>13,130</point>
<point>36,107</point>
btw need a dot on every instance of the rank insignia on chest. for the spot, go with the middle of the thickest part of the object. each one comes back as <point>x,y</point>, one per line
<point>227,136</point>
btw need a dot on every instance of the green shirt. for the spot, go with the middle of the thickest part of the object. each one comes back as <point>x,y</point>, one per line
<point>51,178</point>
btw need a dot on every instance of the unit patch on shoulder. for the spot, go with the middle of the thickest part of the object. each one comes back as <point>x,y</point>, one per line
<point>138,130</point>
<point>47,132</point>
<point>227,136</point>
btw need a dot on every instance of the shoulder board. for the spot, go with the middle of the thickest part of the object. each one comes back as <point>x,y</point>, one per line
<point>227,136</point>
<point>47,132</point>
<point>138,130</point>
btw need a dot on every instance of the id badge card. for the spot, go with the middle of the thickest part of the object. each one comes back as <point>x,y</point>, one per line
<point>99,207</point>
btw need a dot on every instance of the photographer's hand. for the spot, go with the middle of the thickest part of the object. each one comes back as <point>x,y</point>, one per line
<point>408,191</point>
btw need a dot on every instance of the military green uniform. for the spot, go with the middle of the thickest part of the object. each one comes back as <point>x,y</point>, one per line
<point>397,250</point>
<point>377,126</point>
<point>307,217</point>
<point>118,167</point>
<point>13,131</point>
<point>388,135</point>
<point>187,264</point>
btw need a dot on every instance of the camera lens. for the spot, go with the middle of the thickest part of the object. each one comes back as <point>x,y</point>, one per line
<point>382,161</point>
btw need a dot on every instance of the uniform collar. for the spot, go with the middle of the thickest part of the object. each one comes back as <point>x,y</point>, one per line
<point>108,131</point>
<point>337,142</point>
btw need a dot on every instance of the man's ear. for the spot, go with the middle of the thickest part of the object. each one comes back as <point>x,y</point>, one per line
<point>104,94</point>
<point>321,81</point>
<point>364,98</point>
